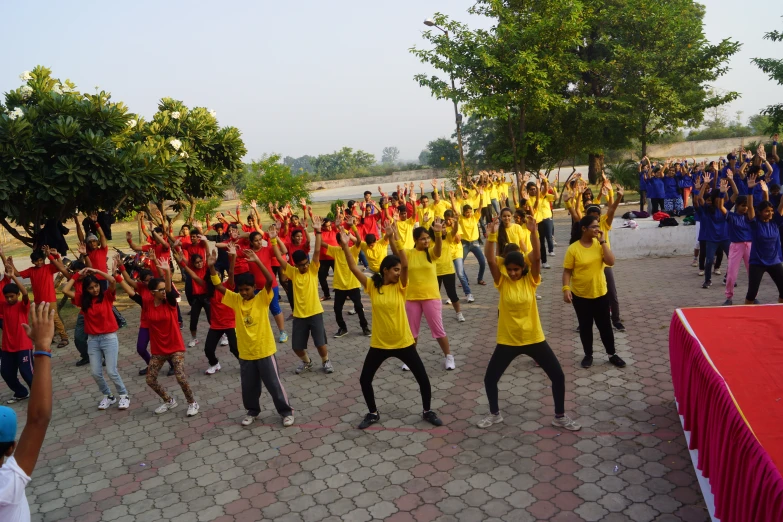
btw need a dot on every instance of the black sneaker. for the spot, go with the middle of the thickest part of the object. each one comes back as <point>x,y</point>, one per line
<point>432,418</point>
<point>707,284</point>
<point>728,302</point>
<point>587,361</point>
<point>82,362</point>
<point>341,332</point>
<point>369,420</point>
<point>756,301</point>
<point>619,326</point>
<point>366,332</point>
<point>615,360</point>
<point>143,371</point>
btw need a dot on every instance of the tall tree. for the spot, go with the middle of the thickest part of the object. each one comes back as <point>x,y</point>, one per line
<point>442,153</point>
<point>271,181</point>
<point>390,155</point>
<point>774,68</point>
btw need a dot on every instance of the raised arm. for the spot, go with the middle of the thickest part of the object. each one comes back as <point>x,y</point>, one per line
<point>357,272</point>
<point>22,288</point>
<point>253,258</point>
<point>318,240</point>
<point>489,251</point>
<point>724,187</point>
<point>54,258</point>
<point>183,264</point>
<point>437,227</point>
<point>134,246</point>
<point>613,207</point>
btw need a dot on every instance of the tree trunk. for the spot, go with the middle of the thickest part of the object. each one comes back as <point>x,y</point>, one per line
<point>644,139</point>
<point>595,166</point>
<point>15,233</point>
<point>522,131</point>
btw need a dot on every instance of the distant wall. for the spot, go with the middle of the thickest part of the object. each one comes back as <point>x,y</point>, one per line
<point>701,148</point>
<point>394,177</point>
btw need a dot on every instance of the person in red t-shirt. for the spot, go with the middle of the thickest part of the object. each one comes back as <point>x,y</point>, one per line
<point>101,327</point>
<point>196,268</point>
<point>165,338</point>
<point>222,321</point>
<point>16,356</point>
<point>328,237</point>
<point>158,245</point>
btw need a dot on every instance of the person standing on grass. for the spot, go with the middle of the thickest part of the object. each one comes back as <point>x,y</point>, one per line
<point>18,459</point>
<point>16,356</point>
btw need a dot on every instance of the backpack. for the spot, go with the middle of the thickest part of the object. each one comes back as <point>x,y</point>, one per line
<point>668,222</point>
<point>629,215</point>
<point>687,211</point>
<point>640,214</point>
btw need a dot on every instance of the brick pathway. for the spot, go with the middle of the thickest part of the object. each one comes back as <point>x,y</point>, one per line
<point>629,462</point>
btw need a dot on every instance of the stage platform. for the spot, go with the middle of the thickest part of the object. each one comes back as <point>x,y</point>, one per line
<point>727,371</point>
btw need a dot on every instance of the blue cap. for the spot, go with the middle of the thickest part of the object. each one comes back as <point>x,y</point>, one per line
<point>7,424</point>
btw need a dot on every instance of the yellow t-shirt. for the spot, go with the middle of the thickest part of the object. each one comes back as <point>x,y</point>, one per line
<point>505,186</point>
<point>518,321</point>
<point>343,277</point>
<point>422,275</point>
<point>455,248</point>
<point>587,265</point>
<point>405,228</point>
<point>610,196</point>
<point>543,211</point>
<point>439,208</point>
<point>420,216</point>
<point>306,302</point>
<point>519,235</point>
<point>390,327</point>
<point>375,253</point>
<point>444,265</point>
<point>605,228</point>
<point>484,197</point>
<point>254,333</point>
<point>468,227</point>
<point>493,191</point>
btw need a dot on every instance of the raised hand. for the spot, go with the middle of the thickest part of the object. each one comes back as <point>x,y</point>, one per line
<point>763,186</point>
<point>751,180</point>
<point>129,237</point>
<point>426,217</point>
<point>82,248</point>
<point>437,224</point>
<point>272,232</point>
<point>729,174</point>
<point>344,237</point>
<point>317,222</point>
<point>45,249</point>
<point>303,202</point>
<point>231,248</point>
<point>724,185</point>
<point>253,204</point>
<point>250,255</point>
<point>211,258</point>
<point>530,221</point>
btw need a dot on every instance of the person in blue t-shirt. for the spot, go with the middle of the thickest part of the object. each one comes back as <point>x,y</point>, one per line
<point>739,236</point>
<point>685,182</point>
<point>765,253</point>
<point>671,196</point>
<point>655,189</point>
<point>643,168</point>
<point>713,227</point>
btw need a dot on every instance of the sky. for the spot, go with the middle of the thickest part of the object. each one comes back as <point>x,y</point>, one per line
<point>305,77</point>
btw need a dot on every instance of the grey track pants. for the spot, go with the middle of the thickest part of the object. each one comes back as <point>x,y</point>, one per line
<point>253,374</point>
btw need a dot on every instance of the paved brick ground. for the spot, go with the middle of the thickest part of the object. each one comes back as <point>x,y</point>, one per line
<point>628,463</point>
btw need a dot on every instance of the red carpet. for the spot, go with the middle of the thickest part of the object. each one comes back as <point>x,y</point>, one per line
<point>745,345</point>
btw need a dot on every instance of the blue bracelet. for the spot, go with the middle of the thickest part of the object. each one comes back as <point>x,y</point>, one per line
<point>48,354</point>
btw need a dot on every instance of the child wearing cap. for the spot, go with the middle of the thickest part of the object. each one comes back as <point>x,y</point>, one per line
<point>18,459</point>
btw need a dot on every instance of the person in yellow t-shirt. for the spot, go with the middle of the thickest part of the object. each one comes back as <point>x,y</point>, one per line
<point>346,286</point>
<point>584,286</point>
<point>391,336</point>
<point>256,344</point>
<point>375,250</point>
<point>510,232</point>
<point>444,266</point>
<point>468,230</point>
<point>540,200</point>
<point>308,312</point>
<point>519,329</point>
<point>405,225</point>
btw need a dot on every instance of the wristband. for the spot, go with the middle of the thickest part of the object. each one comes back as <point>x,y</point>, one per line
<point>118,278</point>
<point>273,241</point>
<point>493,237</point>
<point>566,288</point>
<point>602,242</point>
<point>47,354</point>
<point>215,279</point>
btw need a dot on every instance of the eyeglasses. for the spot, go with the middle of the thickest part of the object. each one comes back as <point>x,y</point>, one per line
<point>303,265</point>
<point>594,226</point>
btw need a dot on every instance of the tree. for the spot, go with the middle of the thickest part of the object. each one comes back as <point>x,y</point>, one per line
<point>301,165</point>
<point>344,162</point>
<point>63,150</point>
<point>774,68</point>
<point>390,155</point>
<point>442,153</point>
<point>760,124</point>
<point>424,157</point>
<point>271,181</point>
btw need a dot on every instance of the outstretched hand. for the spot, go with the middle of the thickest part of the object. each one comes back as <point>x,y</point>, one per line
<point>41,326</point>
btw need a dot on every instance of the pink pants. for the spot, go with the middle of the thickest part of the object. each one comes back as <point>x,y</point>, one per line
<point>686,193</point>
<point>432,310</point>
<point>737,252</point>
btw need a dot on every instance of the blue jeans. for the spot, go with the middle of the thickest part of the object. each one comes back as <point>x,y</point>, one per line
<point>459,268</point>
<point>496,206</point>
<point>363,259</point>
<point>105,346</point>
<point>712,248</point>
<point>474,248</point>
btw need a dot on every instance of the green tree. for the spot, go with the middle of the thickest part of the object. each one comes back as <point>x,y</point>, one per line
<point>424,157</point>
<point>774,68</point>
<point>344,162</point>
<point>271,181</point>
<point>442,153</point>
<point>206,206</point>
<point>63,150</point>
<point>390,155</point>
<point>760,124</point>
<point>301,165</point>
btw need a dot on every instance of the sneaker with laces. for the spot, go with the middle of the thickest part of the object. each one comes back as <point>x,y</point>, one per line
<point>304,367</point>
<point>587,361</point>
<point>124,402</point>
<point>166,406</point>
<point>283,337</point>
<point>551,254</point>
<point>619,326</point>
<point>566,422</point>
<point>248,420</point>
<point>447,301</point>
<point>369,420</point>
<point>328,368</point>
<point>716,271</point>
<point>546,265</point>
<point>366,332</point>
<point>432,418</point>
<point>212,369</point>
<point>288,420</point>
<point>192,343</point>
<point>616,361</point>
<point>352,311</point>
<point>448,362</point>
<point>405,368</point>
<point>695,262</point>
<point>192,409</point>
<point>471,299</point>
<point>340,333</point>
<point>223,340</point>
<point>460,317</point>
<point>489,420</point>
<point>701,272</point>
<point>107,401</point>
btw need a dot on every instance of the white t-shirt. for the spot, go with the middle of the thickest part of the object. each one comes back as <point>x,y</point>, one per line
<point>13,501</point>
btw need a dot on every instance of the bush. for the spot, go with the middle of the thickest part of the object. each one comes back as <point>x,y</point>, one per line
<point>206,206</point>
<point>625,173</point>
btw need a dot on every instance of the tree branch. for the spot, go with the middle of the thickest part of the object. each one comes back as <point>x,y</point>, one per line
<point>12,230</point>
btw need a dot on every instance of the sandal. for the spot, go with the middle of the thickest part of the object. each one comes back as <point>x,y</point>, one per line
<point>63,343</point>
<point>482,283</point>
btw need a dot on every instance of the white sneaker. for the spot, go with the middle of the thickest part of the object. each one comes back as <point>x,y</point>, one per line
<point>489,420</point>
<point>124,402</point>
<point>213,369</point>
<point>106,402</point>
<point>405,368</point>
<point>288,421</point>
<point>566,422</point>
<point>192,409</point>
<point>448,362</point>
<point>352,311</point>
<point>538,297</point>
<point>223,340</point>
<point>460,318</point>
<point>166,406</point>
<point>470,298</point>
<point>551,254</point>
<point>546,265</point>
<point>192,343</point>
<point>448,301</point>
<point>716,271</point>
<point>248,420</point>
<point>701,272</point>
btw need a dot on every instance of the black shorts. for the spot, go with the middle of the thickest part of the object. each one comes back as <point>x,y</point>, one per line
<point>305,327</point>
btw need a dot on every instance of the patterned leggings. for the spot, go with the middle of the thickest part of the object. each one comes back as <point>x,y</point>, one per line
<point>177,361</point>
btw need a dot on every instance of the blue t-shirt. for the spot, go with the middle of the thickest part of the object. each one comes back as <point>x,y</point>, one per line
<point>739,229</point>
<point>713,224</point>
<point>774,199</point>
<point>642,181</point>
<point>765,249</point>
<point>686,180</point>
<point>670,187</point>
<point>655,188</point>
<point>775,176</point>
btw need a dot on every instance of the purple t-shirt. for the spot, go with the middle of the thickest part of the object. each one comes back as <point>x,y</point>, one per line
<point>765,249</point>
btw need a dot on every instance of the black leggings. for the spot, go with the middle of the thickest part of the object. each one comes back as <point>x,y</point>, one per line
<point>594,310</point>
<point>642,200</point>
<point>323,273</point>
<point>703,256</point>
<point>409,356</point>
<point>354,295</point>
<point>210,345</point>
<point>450,281</point>
<point>657,204</point>
<point>756,272</point>
<point>197,303</point>
<point>542,354</point>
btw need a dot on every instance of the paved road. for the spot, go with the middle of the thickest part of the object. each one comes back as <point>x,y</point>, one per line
<point>629,462</point>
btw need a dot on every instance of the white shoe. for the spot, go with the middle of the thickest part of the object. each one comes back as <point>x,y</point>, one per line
<point>716,271</point>
<point>106,402</point>
<point>701,272</point>
<point>223,340</point>
<point>124,402</point>
<point>288,421</point>
<point>554,241</point>
<point>448,362</point>
<point>489,420</point>
<point>448,301</point>
<point>405,368</point>
<point>192,343</point>
<point>166,406</point>
<point>352,311</point>
<point>551,254</point>
<point>213,369</point>
<point>470,298</point>
<point>192,409</point>
<point>460,318</point>
<point>248,420</point>
<point>546,265</point>
<point>566,422</point>
<point>538,297</point>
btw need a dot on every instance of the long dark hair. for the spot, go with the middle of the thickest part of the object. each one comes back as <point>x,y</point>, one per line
<point>586,222</point>
<point>502,234</point>
<point>516,258</point>
<point>388,263</point>
<point>86,297</point>
<point>417,232</point>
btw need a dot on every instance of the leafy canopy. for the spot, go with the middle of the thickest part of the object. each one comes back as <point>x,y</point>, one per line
<point>271,181</point>
<point>774,68</point>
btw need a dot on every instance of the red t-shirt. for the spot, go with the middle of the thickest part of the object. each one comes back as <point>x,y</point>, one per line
<point>99,318</point>
<point>143,291</point>
<point>241,264</point>
<point>221,317</point>
<point>165,337</point>
<point>328,237</point>
<point>42,282</point>
<point>248,228</point>
<point>98,259</point>
<point>197,248</point>
<point>3,282</point>
<point>162,252</point>
<point>369,225</point>
<point>265,254</point>
<point>201,273</point>
<point>14,316</point>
